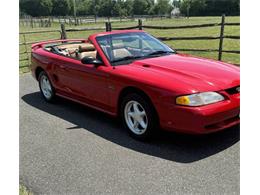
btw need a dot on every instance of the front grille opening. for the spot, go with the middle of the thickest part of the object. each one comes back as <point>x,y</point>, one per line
<point>223,123</point>
<point>233,90</point>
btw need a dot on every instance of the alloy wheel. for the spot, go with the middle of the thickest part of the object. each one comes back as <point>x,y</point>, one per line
<point>46,87</point>
<point>135,117</point>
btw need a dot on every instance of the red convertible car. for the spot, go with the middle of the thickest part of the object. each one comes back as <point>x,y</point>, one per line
<point>147,84</point>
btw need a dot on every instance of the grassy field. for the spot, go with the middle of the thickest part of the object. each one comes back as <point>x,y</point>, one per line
<point>196,44</point>
<point>23,190</point>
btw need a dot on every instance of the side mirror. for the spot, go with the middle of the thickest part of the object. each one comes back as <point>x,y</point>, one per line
<point>90,60</point>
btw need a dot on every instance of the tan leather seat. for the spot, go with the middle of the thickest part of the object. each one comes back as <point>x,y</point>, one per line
<point>118,45</point>
<point>84,48</point>
<point>75,46</point>
<point>88,53</point>
<point>121,53</point>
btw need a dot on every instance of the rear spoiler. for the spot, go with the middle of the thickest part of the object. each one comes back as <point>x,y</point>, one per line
<point>41,43</point>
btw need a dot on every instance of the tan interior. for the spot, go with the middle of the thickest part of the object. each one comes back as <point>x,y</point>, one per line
<point>79,50</point>
<point>121,53</point>
<point>89,53</point>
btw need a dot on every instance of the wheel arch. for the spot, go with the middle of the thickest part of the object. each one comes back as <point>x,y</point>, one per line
<point>38,70</point>
<point>131,89</point>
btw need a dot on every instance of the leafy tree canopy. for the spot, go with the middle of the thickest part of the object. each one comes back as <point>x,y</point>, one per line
<point>123,8</point>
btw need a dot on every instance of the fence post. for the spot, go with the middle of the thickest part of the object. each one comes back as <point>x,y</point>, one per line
<point>31,22</point>
<point>140,27</point>
<point>221,37</point>
<point>108,26</point>
<point>41,23</point>
<point>63,32</point>
<point>25,45</point>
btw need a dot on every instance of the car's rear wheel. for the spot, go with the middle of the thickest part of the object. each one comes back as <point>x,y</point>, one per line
<point>46,87</point>
<point>138,116</point>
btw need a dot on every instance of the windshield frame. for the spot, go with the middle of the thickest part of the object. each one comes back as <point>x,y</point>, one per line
<point>168,50</point>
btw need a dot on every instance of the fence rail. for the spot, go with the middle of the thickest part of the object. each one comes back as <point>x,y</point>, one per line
<point>71,20</point>
<point>140,26</point>
<point>196,38</point>
<point>84,29</point>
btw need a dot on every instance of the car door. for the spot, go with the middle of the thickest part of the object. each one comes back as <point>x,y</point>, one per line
<point>84,82</point>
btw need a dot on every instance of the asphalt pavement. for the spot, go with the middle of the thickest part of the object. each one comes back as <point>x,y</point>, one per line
<point>67,148</point>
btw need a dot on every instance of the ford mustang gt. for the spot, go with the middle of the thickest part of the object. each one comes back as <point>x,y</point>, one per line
<point>132,75</point>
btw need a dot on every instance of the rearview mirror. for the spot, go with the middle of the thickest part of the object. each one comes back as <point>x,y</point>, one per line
<point>90,60</point>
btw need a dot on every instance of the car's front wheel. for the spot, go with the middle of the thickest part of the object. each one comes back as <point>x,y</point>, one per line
<point>46,87</point>
<point>138,116</point>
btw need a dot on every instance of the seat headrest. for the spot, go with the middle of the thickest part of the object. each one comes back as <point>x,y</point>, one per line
<point>118,45</point>
<point>87,47</point>
<point>121,53</point>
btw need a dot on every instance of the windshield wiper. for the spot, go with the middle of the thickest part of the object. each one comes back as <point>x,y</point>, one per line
<point>126,58</point>
<point>159,52</point>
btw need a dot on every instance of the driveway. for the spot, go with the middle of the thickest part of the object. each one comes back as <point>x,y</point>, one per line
<point>66,148</point>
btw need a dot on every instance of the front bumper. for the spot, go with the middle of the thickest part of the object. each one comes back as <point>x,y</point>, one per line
<point>203,119</point>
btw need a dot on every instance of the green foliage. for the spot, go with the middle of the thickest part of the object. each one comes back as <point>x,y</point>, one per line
<point>24,191</point>
<point>192,7</point>
<point>106,7</point>
<point>86,7</point>
<point>128,6</point>
<point>209,7</point>
<point>109,8</point>
<point>162,7</point>
<point>36,7</point>
<point>140,7</point>
<point>218,7</point>
<point>62,7</point>
<point>176,3</point>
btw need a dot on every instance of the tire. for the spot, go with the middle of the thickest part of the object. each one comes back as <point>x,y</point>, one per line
<point>138,116</point>
<point>46,87</point>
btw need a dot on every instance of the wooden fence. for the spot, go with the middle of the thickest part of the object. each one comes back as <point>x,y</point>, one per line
<point>25,55</point>
<point>140,26</point>
<point>33,22</point>
<point>79,20</point>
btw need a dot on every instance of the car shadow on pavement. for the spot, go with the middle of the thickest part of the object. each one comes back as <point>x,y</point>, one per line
<point>167,145</point>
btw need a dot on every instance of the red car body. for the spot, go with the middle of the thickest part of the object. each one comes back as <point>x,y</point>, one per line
<point>162,79</point>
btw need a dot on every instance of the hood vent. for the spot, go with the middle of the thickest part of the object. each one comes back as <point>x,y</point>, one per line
<point>146,65</point>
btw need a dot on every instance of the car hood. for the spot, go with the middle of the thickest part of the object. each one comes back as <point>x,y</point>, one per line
<point>192,73</point>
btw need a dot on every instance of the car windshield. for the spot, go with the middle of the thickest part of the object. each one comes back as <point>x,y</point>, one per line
<point>126,47</point>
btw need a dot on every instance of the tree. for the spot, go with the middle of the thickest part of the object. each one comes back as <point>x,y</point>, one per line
<point>36,7</point>
<point>86,7</point>
<point>128,6</point>
<point>45,7</point>
<point>162,7</point>
<point>217,8</point>
<point>192,7</point>
<point>62,7</point>
<point>119,8</point>
<point>176,3</point>
<point>106,7</point>
<point>140,7</point>
<point>116,9</point>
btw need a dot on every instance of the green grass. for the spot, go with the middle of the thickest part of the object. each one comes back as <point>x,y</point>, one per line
<point>195,44</point>
<point>23,190</point>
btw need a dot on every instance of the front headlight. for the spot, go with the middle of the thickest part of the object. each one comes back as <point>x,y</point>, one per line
<point>199,99</point>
